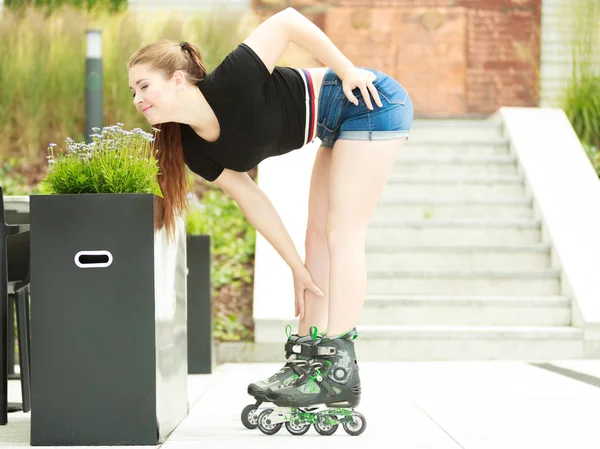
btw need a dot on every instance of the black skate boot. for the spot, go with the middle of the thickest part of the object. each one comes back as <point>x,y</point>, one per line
<point>297,356</point>
<point>324,396</point>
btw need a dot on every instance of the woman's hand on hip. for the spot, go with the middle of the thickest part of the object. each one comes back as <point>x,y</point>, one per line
<point>302,282</point>
<point>355,77</point>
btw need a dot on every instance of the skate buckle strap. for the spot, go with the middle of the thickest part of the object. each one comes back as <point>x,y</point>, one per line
<point>289,347</point>
<point>304,350</point>
<point>323,382</point>
<point>326,350</point>
<point>299,371</point>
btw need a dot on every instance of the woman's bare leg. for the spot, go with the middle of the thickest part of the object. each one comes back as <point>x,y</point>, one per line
<point>358,174</point>
<point>317,254</point>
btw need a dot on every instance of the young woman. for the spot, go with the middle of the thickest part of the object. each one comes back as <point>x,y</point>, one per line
<point>222,124</point>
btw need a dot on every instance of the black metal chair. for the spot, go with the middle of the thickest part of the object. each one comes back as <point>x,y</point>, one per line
<point>17,251</point>
<point>16,286</point>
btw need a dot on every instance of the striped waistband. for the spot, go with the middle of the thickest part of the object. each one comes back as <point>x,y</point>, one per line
<point>309,129</point>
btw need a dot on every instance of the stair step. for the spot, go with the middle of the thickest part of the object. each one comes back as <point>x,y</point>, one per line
<point>384,332</point>
<point>444,166</point>
<point>464,282</point>
<point>466,310</point>
<point>390,210</point>
<point>428,149</point>
<point>467,232</point>
<point>483,257</point>
<point>455,123</point>
<point>468,133</point>
<point>376,343</point>
<point>453,187</point>
<point>402,343</point>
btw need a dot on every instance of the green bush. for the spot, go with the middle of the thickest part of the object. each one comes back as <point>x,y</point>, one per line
<point>233,238</point>
<point>229,328</point>
<point>51,5</point>
<point>581,100</point>
<point>12,181</point>
<point>116,161</point>
<point>233,242</point>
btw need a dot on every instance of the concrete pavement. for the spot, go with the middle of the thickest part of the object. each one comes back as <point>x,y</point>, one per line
<point>413,405</point>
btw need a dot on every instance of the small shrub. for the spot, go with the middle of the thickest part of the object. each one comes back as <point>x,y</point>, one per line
<point>232,242</point>
<point>12,181</point>
<point>229,328</point>
<point>233,238</point>
<point>116,161</point>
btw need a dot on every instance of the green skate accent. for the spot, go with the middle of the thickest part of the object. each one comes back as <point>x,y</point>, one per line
<point>289,380</point>
<point>288,331</point>
<point>354,337</point>
<point>328,417</point>
<point>314,333</point>
<point>317,376</point>
<point>337,390</point>
<point>310,387</point>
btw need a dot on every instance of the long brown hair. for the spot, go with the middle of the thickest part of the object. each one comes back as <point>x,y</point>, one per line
<point>167,56</point>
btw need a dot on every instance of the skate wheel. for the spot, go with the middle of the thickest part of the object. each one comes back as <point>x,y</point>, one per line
<point>357,425</point>
<point>265,425</point>
<point>297,428</point>
<point>325,429</point>
<point>249,418</point>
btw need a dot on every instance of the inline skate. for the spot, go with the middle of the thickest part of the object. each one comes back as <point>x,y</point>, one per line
<point>297,356</point>
<point>324,396</point>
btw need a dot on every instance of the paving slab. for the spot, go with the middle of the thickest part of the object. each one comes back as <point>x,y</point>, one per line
<point>390,415</point>
<point>505,405</point>
<point>413,405</point>
<point>589,367</point>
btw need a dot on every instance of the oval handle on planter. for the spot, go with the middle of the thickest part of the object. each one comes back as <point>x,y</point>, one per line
<point>93,259</point>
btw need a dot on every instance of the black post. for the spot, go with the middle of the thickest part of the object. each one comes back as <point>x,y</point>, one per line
<point>201,355</point>
<point>11,339</point>
<point>3,318</point>
<point>93,87</point>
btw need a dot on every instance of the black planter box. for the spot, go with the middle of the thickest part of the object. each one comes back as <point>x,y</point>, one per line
<point>108,322</point>
<point>201,351</point>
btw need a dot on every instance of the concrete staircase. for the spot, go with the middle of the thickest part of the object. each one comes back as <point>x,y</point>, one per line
<point>460,263</point>
<point>458,268</point>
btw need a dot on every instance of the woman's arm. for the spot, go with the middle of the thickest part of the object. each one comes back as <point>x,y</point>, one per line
<point>260,212</point>
<point>270,39</point>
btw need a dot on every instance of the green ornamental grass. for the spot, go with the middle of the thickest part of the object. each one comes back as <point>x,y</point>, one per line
<point>116,161</point>
<point>581,100</point>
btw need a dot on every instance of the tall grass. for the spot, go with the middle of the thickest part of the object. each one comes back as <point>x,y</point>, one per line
<point>581,100</point>
<point>42,67</point>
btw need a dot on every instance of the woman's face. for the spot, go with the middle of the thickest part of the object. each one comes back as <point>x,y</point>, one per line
<point>153,95</point>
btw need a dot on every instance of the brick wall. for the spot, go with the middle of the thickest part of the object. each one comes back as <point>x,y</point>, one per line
<point>455,57</point>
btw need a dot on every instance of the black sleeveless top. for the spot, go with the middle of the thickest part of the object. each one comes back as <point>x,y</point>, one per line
<point>260,115</point>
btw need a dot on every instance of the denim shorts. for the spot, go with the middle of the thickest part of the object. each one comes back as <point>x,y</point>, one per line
<point>340,119</point>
